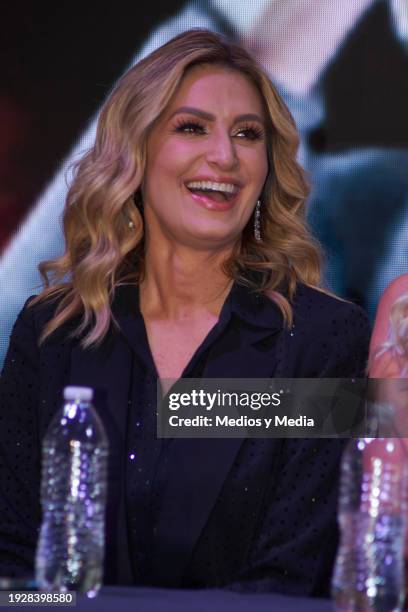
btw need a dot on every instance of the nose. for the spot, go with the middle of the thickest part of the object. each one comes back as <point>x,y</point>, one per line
<point>221,150</point>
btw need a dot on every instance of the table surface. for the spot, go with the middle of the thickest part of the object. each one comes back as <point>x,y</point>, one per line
<point>132,599</point>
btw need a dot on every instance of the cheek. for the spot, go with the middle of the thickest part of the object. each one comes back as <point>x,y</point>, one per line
<point>171,162</point>
<point>257,167</point>
<point>167,166</point>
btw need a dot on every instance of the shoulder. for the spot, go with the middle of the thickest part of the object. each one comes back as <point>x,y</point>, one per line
<point>387,364</point>
<point>35,315</point>
<point>396,289</point>
<point>329,337</point>
<point>33,318</point>
<point>23,352</point>
<point>315,309</point>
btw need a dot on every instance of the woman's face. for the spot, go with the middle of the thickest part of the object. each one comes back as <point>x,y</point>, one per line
<point>206,160</point>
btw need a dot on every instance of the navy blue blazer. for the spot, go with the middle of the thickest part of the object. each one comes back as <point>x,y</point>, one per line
<point>248,514</point>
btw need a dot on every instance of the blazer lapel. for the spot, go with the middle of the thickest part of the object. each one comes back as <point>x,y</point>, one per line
<point>197,468</point>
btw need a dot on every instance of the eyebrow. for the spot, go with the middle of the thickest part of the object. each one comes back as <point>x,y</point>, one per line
<point>191,110</point>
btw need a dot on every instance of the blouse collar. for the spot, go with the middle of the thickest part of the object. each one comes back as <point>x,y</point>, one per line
<point>252,307</point>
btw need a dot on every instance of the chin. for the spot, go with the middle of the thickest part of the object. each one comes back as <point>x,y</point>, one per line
<point>213,237</point>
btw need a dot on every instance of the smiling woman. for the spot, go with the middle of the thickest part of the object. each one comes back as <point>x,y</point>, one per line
<point>187,255</point>
<point>238,131</point>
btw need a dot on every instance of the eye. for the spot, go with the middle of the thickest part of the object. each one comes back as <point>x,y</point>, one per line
<point>190,127</point>
<point>250,132</point>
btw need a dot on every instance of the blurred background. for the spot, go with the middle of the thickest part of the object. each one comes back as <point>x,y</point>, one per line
<point>340,65</point>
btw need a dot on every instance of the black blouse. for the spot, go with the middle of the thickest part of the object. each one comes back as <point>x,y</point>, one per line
<point>145,452</point>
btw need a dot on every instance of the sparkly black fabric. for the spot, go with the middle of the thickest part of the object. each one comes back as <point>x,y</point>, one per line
<point>248,514</point>
<point>146,452</point>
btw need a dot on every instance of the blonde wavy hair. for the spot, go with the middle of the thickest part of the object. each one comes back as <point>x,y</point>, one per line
<point>396,344</point>
<point>103,224</point>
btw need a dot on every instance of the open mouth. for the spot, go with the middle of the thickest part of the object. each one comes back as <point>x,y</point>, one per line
<point>218,192</point>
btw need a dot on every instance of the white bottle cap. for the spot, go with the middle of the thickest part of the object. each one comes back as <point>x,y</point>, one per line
<point>78,393</point>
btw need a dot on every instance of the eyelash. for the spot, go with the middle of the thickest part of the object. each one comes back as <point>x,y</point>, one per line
<point>191,127</point>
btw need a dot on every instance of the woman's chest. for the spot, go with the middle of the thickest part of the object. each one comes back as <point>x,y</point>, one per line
<point>173,346</point>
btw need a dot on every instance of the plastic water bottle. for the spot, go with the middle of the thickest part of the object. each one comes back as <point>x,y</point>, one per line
<point>369,569</point>
<point>70,549</point>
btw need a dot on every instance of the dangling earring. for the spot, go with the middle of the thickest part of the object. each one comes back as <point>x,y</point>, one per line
<point>257,222</point>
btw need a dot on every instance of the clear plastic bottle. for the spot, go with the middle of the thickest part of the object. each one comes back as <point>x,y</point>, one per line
<point>70,548</point>
<point>369,569</point>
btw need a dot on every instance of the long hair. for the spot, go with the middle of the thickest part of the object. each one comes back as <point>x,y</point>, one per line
<point>102,222</point>
<point>396,344</point>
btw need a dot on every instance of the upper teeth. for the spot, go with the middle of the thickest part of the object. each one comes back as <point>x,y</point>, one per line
<point>211,185</point>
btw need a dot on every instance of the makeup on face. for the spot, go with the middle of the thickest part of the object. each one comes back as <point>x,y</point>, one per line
<point>207,156</point>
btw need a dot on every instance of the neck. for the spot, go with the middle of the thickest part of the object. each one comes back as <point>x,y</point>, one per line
<point>179,282</point>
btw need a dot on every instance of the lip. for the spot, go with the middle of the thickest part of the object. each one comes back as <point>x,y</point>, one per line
<point>211,205</point>
<point>206,202</point>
